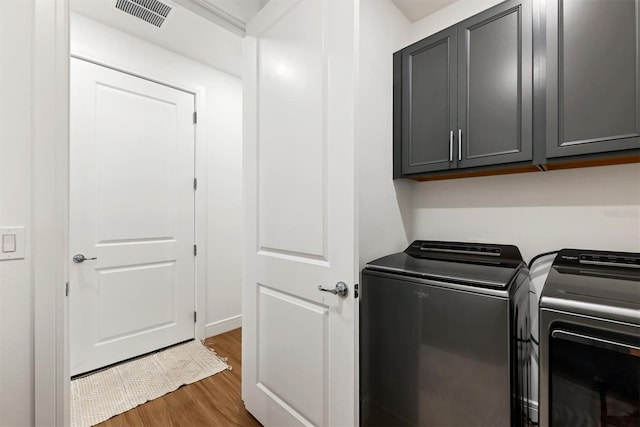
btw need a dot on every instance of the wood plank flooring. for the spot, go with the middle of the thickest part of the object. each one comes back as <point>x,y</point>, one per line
<point>214,401</point>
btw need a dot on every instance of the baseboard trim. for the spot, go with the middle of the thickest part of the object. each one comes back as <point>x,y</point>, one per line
<point>222,326</point>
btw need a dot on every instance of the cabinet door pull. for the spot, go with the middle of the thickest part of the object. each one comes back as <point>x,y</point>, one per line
<point>459,144</point>
<point>451,146</point>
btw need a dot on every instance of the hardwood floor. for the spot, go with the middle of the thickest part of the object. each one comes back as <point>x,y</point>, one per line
<point>214,401</point>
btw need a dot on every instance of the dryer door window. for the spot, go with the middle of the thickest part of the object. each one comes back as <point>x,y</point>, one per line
<point>595,379</point>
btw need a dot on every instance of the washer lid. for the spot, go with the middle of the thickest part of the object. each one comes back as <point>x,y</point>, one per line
<point>595,283</point>
<point>474,264</point>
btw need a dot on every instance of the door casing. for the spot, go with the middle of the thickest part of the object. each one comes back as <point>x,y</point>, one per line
<point>201,175</point>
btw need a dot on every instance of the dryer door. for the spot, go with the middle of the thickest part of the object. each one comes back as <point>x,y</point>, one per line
<point>593,375</point>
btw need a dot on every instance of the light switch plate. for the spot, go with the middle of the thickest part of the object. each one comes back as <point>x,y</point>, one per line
<point>8,243</point>
<point>12,240</point>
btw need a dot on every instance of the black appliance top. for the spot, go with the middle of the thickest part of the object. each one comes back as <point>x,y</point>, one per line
<point>474,264</point>
<point>595,283</point>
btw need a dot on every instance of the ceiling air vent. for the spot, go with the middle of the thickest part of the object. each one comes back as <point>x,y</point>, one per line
<point>151,11</point>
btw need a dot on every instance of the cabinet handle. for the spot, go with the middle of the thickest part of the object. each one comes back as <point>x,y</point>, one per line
<point>459,144</point>
<point>451,146</point>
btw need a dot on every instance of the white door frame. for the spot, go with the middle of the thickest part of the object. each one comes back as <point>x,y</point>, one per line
<point>201,174</point>
<point>49,217</point>
<point>200,212</point>
<point>50,209</point>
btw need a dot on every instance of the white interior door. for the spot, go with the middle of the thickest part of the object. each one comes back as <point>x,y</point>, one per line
<point>132,208</point>
<point>299,344</point>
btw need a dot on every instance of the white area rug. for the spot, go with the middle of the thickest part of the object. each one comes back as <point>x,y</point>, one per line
<point>100,396</point>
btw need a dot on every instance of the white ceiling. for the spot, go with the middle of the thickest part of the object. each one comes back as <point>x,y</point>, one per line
<point>243,10</point>
<point>189,30</point>
<point>183,32</point>
<point>230,14</point>
<point>415,10</point>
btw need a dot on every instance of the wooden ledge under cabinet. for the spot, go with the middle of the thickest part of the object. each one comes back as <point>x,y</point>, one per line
<point>556,165</point>
<point>584,163</point>
<point>474,173</point>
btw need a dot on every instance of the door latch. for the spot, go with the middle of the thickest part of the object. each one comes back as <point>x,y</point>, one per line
<point>341,289</point>
<point>78,258</point>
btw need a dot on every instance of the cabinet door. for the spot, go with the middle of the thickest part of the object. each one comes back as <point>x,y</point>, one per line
<point>495,103</point>
<point>428,103</point>
<point>593,94</point>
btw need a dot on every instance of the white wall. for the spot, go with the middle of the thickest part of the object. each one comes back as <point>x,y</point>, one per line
<point>184,32</point>
<point>16,303</point>
<point>384,210</point>
<point>224,238</point>
<point>597,208</point>
<point>446,17</point>
<point>220,114</point>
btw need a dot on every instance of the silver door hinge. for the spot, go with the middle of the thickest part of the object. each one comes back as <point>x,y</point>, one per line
<point>195,316</point>
<point>195,250</point>
<point>195,183</point>
<point>356,292</point>
<point>66,289</point>
<point>195,117</point>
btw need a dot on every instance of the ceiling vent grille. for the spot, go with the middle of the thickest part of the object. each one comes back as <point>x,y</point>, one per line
<point>151,11</point>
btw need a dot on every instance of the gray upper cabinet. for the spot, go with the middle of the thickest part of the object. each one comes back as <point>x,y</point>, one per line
<point>495,103</point>
<point>463,97</point>
<point>592,88</point>
<point>428,103</point>
<point>525,85</point>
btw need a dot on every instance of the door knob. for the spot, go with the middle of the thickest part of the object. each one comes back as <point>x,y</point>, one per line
<point>78,258</point>
<point>341,289</point>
